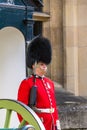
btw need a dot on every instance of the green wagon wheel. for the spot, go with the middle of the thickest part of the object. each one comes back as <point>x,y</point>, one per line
<point>26,112</point>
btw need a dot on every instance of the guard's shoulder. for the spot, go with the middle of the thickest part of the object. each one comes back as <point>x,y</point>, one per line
<point>29,77</point>
<point>26,80</point>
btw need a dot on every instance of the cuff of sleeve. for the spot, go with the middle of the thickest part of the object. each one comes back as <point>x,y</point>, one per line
<point>58,125</point>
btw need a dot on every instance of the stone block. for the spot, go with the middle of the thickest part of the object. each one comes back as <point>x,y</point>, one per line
<point>73,116</point>
<point>81,14</point>
<point>82,36</point>
<point>70,36</point>
<point>82,71</point>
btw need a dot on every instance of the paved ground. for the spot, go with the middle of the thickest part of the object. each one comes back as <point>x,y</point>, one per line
<point>64,97</point>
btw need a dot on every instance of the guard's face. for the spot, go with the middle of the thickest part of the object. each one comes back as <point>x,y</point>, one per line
<point>41,68</point>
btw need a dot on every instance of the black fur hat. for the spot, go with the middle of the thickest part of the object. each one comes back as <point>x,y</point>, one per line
<point>39,50</point>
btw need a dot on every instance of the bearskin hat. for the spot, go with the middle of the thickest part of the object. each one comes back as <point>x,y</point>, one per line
<point>39,50</point>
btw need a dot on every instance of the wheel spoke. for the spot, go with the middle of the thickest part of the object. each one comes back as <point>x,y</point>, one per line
<point>7,119</point>
<point>23,122</point>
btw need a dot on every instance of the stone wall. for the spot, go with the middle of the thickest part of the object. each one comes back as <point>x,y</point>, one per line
<point>75,46</point>
<point>67,30</point>
<point>54,31</point>
<point>72,109</point>
<point>73,116</point>
<point>82,46</point>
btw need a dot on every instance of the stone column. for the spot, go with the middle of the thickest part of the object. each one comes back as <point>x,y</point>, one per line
<point>70,37</point>
<point>82,46</point>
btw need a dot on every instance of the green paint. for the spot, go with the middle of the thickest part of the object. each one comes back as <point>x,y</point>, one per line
<point>27,113</point>
<point>8,117</point>
<point>14,15</point>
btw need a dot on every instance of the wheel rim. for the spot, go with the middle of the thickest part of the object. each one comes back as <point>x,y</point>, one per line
<point>26,112</point>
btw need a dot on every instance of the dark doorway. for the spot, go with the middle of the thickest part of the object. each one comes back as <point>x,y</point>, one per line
<point>37,29</point>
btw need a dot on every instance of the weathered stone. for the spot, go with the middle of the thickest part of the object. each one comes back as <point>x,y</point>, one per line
<point>72,109</point>
<point>73,115</point>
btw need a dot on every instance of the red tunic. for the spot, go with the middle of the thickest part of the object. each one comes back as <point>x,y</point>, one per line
<point>45,99</point>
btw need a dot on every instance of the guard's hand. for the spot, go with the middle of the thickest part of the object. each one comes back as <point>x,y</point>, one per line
<point>58,127</point>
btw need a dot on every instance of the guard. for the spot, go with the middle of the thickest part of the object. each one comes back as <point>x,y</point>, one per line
<point>37,91</point>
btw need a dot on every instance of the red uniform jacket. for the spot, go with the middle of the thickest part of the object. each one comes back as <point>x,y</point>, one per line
<point>45,99</point>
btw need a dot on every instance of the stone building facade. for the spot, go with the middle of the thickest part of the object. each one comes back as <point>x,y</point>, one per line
<point>64,22</point>
<point>67,30</point>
